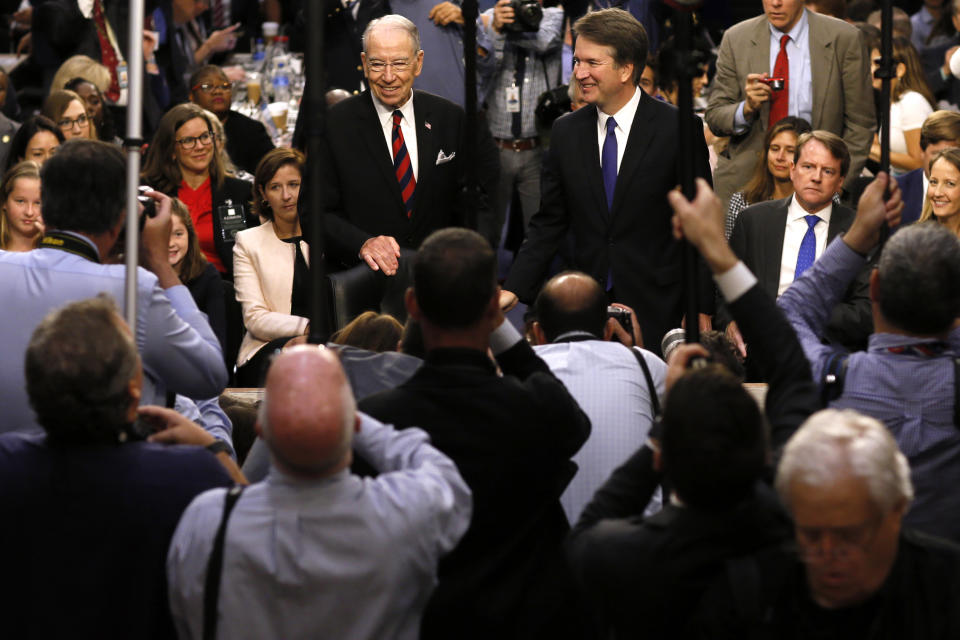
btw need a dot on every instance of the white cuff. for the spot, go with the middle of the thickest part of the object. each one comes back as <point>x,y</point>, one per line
<point>735,281</point>
<point>504,337</point>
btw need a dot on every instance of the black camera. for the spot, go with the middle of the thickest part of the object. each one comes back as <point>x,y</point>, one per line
<point>623,317</point>
<point>527,15</point>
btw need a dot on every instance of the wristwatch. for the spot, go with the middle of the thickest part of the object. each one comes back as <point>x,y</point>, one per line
<point>218,446</point>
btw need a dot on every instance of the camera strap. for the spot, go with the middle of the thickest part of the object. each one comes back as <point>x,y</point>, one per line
<point>69,243</point>
<point>211,586</point>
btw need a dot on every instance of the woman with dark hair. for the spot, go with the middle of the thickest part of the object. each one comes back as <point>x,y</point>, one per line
<point>771,175</point>
<point>36,140</point>
<point>21,225</point>
<point>201,278</point>
<point>270,267</point>
<point>69,111</point>
<point>101,117</point>
<point>910,104</point>
<point>183,161</point>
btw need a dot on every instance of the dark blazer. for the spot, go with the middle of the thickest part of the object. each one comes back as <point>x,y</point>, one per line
<point>247,140</point>
<point>757,239</point>
<point>207,292</point>
<point>362,196</point>
<point>342,42</point>
<point>633,241</point>
<point>911,190</point>
<point>644,576</point>
<point>237,193</point>
<point>512,438</point>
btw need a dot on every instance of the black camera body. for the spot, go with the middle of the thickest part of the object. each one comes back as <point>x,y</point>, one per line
<point>527,15</point>
<point>622,316</point>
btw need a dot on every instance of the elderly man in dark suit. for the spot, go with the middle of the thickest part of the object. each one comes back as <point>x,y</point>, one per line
<point>826,72</point>
<point>605,179</point>
<point>778,240</point>
<point>393,157</point>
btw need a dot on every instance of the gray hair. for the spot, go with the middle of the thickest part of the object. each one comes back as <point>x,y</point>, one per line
<point>393,21</point>
<point>834,442</point>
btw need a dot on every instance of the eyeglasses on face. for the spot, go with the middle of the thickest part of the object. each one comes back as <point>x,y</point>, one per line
<point>190,142</point>
<point>66,124</point>
<point>379,66</point>
<point>208,87</point>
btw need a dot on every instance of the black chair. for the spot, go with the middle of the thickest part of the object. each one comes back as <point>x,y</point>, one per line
<point>359,289</point>
<point>235,330</point>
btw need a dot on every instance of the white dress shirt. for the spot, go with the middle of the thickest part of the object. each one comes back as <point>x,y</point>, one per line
<point>408,126</point>
<point>338,557</point>
<point>624,119</point>
<point>793,236</point>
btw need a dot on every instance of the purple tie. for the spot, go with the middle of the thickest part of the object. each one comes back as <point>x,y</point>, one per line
<point>608,162</point>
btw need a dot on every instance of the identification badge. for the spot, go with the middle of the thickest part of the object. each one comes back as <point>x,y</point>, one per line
<point>513,99</point>
<point>122,79</point>
<point>231,220</point>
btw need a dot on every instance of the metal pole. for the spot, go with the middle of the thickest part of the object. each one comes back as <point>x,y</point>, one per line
<point>886,71</point>
<point>469,10</point>
<point>313,108</point>
<point>133,143</point>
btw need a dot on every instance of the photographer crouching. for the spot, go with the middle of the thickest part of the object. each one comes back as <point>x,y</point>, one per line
<point>518,60</point>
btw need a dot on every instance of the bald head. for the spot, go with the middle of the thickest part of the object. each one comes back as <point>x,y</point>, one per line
<point>308,413</point>
<point>571,301</point>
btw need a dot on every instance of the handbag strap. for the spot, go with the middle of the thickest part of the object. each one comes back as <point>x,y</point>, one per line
<point>211,587</point>
<point>654,401</point>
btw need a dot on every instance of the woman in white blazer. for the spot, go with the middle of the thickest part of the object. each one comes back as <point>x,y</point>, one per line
<point>270,267</point>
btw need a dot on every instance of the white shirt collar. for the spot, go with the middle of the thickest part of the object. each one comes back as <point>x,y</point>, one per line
<point>384,112</point>
<point>798,31</point>
<point>624,116</point>
<point>796,212</point>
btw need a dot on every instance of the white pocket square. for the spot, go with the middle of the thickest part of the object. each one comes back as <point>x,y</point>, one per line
<point>442,158</point>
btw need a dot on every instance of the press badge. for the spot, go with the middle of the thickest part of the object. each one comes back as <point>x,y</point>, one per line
<point>513,99</point>
<point>231,220</point>
<point>122,79</point>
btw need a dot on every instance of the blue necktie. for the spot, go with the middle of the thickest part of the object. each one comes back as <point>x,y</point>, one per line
<point>608,162</point>
<point>808,247</point>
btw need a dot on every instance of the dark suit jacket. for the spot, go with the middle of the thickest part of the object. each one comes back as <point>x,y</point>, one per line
<point>634,240</point>
<point>238,193</point>
<point>362,196</point>
<point>911,190</point>
<point>512,438</point>
<point>342,43</point>
<point>757,239</point>
<point>644,576</point>
<point>247,140</point>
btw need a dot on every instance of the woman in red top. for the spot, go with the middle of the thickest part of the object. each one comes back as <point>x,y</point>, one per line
<point>182,161</point>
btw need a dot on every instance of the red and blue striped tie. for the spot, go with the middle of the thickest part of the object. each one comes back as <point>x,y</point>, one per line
<point>402,165</point>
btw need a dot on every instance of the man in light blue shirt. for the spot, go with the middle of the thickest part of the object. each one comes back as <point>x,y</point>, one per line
<point>572,334</point>
<point>83,207</point>
<point>315,551</point>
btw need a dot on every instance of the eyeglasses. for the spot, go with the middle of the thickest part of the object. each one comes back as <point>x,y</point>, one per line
<point>379,66</point>
<point>190,142</point>
<point>66,124</point>
<point>206,87</point>
<point>845,542</point>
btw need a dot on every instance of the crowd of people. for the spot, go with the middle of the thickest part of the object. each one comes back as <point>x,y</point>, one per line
<point>450,470</point>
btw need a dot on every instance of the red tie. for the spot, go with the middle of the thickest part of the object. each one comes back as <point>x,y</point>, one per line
<point>402,165</point>
<point>107,55</point>
<point>780,102</point>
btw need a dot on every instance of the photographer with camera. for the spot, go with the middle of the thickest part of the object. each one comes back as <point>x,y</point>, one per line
<point>519,59</point>
<point>646,574</point>
<point>83,207</point>
<point>90,511</point>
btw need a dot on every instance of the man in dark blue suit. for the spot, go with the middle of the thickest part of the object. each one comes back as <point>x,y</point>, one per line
<point>605,180</point>
<point>941,130</point>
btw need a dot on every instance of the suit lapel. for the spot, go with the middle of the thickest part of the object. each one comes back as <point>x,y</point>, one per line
<point>590,157</point>
<point>840,220</point>
<point>370,130</point>
<point>821,58</point>
<point>758,60</point>
<point>426,145</point>
<point>776,225</point>
<point>640,141</point>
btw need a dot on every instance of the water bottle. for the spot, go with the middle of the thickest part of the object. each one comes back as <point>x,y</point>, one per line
<point>259,55</point>
<point>281,83</point>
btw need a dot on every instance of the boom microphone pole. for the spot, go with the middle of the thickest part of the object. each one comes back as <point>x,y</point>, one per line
<point>469,11</point>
